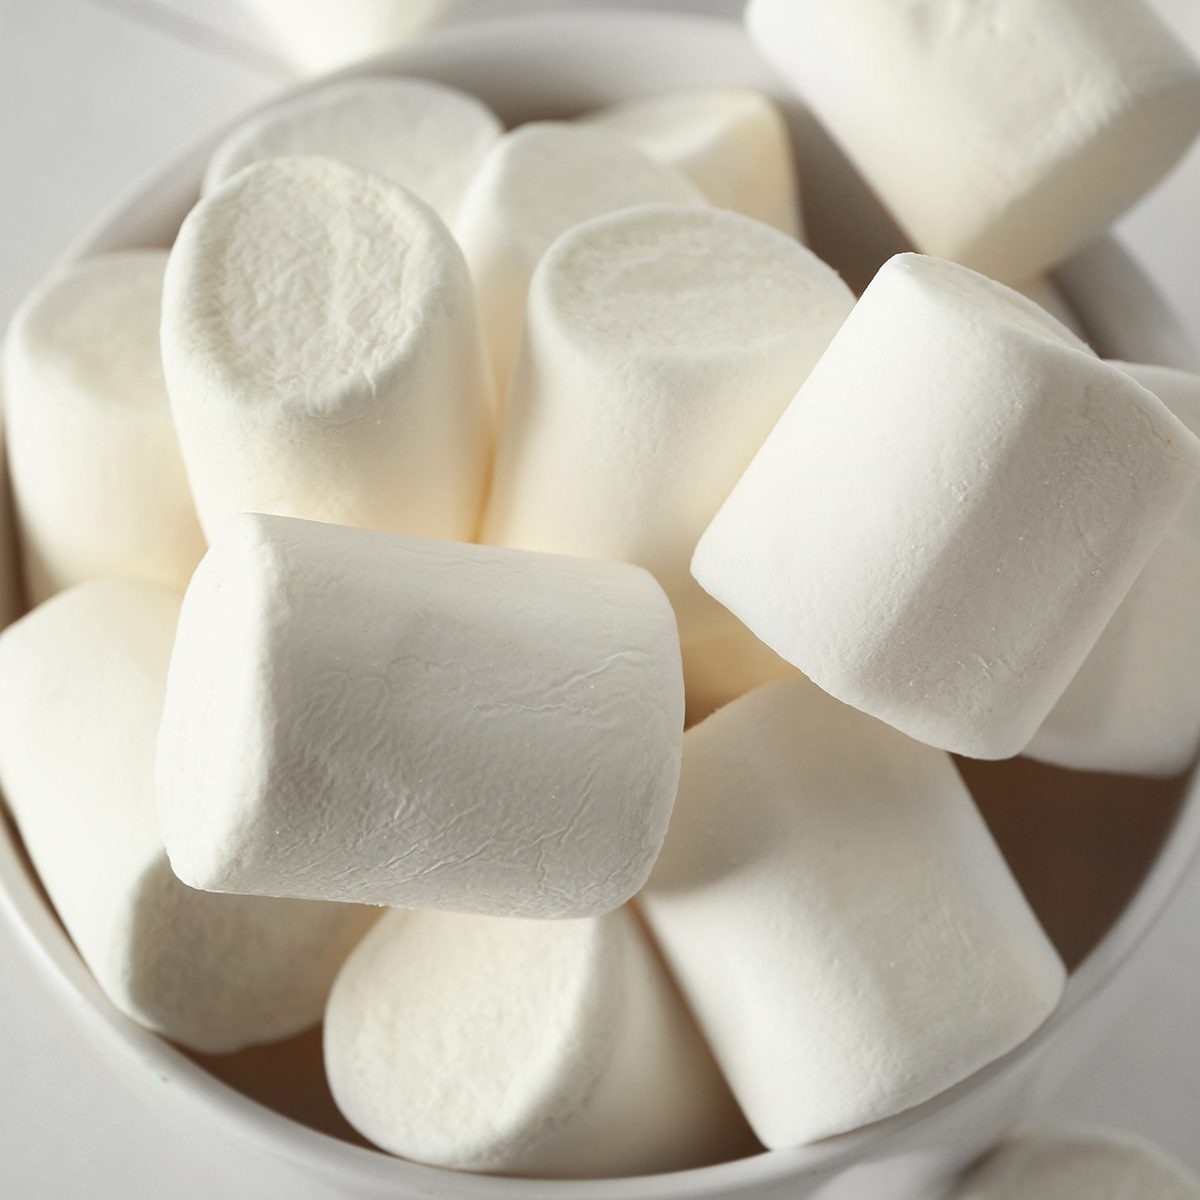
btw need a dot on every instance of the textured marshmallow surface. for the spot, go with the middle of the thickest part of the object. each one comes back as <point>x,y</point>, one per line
<point>1049,1164</point>
<point>838,916</point>
<point>942,523</point>
<point>662,344</point>
<point>540,1048</point>
<point>98,481</point>
<point>83,687</point>
<point>323,354</point>
<point>536,183</point>
<point>429,138</point>
<point>920,94</point>
<point>359,716</point>
<point>1134,706</point>
<point>731,142</point>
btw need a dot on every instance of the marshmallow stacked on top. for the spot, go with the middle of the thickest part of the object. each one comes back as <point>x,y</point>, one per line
<point>711,483</point>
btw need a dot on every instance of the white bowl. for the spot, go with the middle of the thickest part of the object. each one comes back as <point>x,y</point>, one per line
<point>560,65</point>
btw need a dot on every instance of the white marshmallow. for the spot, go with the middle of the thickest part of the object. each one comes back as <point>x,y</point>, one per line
<point>1006,178</point>
<point>323,354</point>
<point>731,142</point>
<point>429,138</point>
<point>661,346</point>
<point>724,668</point>
<point>1048,1164</point>
<point>950,511</point>
<point>539,1048</point>
<point>536,183</point>
<point>1045,293</point>
<point>358,716</point>
<point>79,711</point>
<point>1134,706</point>
<point>98,482</point>
<point>838,916</point>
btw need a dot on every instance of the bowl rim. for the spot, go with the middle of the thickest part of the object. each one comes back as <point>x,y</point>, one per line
<point>173,187</point>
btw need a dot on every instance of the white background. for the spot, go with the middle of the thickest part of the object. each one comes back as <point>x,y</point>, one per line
<point>93,94</point>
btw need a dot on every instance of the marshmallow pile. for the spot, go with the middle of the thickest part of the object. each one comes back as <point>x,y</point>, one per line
<point>384,536</point>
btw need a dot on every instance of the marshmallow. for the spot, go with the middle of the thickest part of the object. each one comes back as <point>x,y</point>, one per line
<point>662,344</point>
<point>838,916</point>
<point>98,482</point>
<point>79,711</point>
<point>323,354</point>
<point>359,716</point>
<point>949,512</point>
<point>1134,706</point>
<point>539,1048</point>
<point>732,143</point>
<point>427,137</point>
<point>1008,178</point>
<point>1046,1164</point>
<point>536,183</point>
<point>724,668</point>
<point>1045,293</point>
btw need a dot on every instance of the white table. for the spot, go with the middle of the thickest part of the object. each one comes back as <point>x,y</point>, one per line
<point>94,93</point>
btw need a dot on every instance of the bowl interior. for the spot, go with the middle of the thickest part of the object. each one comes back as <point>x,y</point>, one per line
<point>1099,856</point>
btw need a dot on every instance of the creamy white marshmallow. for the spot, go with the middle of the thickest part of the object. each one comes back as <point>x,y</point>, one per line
<point>944,520</point>
<point>1043,291</point>
<point>1134,706</point>
<point>731,142</point>
<point>536,183</point>
<point>323,354</point>
<point>838,916</point>
<point>83,688</point>
<point>724,668</point>
<point>536,1048</point>
<point>1006,178</point>
<point>429,138</point>
<point>1069,1164</point>
<point>358,716</point>
<point>98,482</point>
<point>662,344</point>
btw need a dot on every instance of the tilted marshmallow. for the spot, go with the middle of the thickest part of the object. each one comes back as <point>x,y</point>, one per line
<point>731,142</point>
<point>536,183</point>
<point>323,354</point>
<point>724,668</point>
<point>538,1048</point>
<point>98,482</point>
<point>942,523</point>
<point>1045,293</point>
<point>1134,706</point>
<point>838,916</point>
<point>79,712</point>
<point>429,138</point>
<point>359,716</point>
<point>1050,1164</point>
<point>662,344</point>
<point>921,96</point>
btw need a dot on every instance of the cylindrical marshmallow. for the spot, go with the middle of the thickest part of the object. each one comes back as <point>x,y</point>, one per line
<point>944,520</point>
<point>79,711</point>
<point>358,716</point>
<point>724,668</point>
<point>1003,136</point>
<point>1134,706</point>
<point>429,138</point>
<point>1058,1164</point>
<point>323,354</point>
<point>536,1048</point>
<point>732,143</point>
<point>838,917</point>
<point>536,183</point>
<point>98,482</point>
<point>662,344</point>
